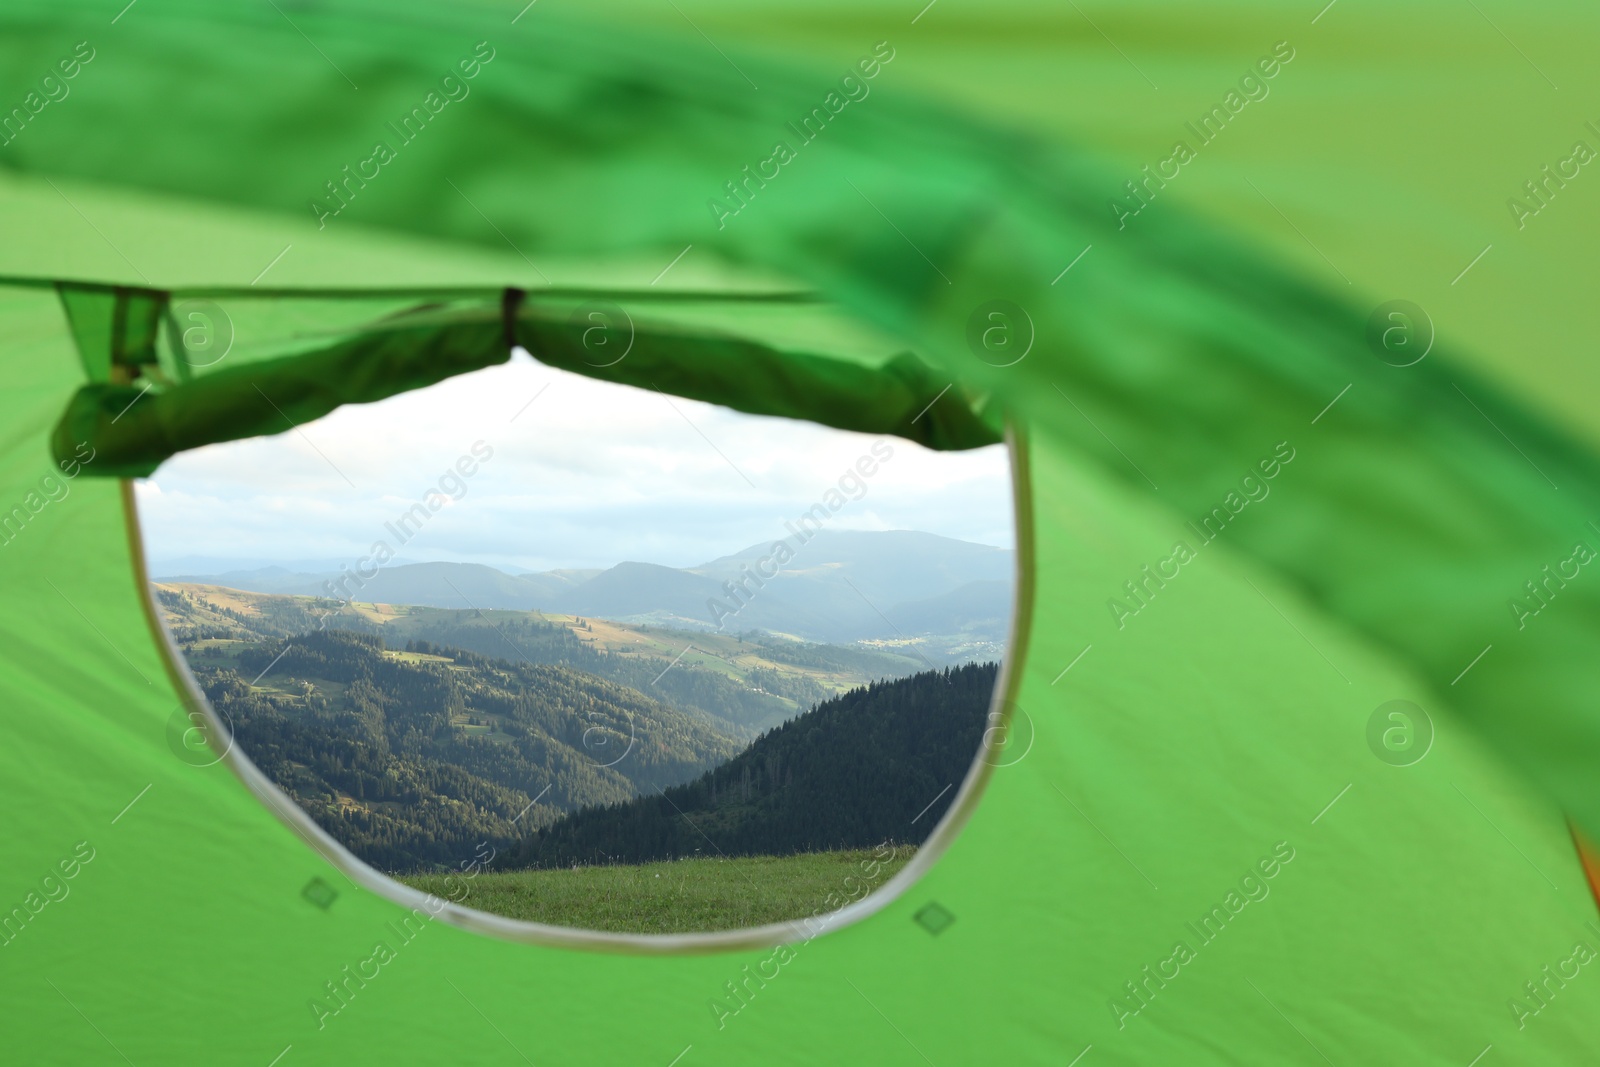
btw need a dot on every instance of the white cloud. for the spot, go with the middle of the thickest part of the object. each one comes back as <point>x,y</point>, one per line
<point>586,475</point>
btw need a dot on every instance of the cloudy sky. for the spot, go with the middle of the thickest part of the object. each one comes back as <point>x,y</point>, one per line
<point>583,474</point>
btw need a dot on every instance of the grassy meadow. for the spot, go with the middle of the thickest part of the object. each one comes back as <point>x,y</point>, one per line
<point>679,896</point>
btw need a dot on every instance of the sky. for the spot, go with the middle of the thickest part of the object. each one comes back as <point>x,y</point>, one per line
<point>580,474</point>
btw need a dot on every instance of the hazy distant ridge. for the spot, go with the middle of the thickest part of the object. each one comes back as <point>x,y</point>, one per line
<point>839,586</point>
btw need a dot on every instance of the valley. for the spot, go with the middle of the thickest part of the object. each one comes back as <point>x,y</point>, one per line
<point>415,734</point>
<point>756,681</point>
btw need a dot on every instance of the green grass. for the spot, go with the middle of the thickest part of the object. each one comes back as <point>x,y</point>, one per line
<point>675,897</point>
<point>414,658</point>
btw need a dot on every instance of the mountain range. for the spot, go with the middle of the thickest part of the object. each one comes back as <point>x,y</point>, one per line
<point>833,587</point>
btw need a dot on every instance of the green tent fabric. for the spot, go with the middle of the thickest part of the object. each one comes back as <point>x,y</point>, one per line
<point>1187,841</point>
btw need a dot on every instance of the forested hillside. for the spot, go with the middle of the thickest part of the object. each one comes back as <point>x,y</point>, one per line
<point>524,636</point>
<point>881,763</point>
<point>749,684</point>
<point>412,758</point>
<point>413,733</point>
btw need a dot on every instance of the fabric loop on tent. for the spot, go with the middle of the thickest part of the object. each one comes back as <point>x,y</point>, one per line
<point>509,303</point>
<point>113,325</point>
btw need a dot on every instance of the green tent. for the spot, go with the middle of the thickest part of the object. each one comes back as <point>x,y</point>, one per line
<point>1282,310</point>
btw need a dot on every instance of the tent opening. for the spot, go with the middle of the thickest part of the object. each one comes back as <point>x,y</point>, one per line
<point>593,656</point>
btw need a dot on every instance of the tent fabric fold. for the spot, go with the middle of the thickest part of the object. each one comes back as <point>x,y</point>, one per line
<point>155,395</point>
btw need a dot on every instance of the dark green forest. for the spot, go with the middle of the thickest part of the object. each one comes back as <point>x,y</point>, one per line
<point>868,766</point>
<point>411,760</point>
